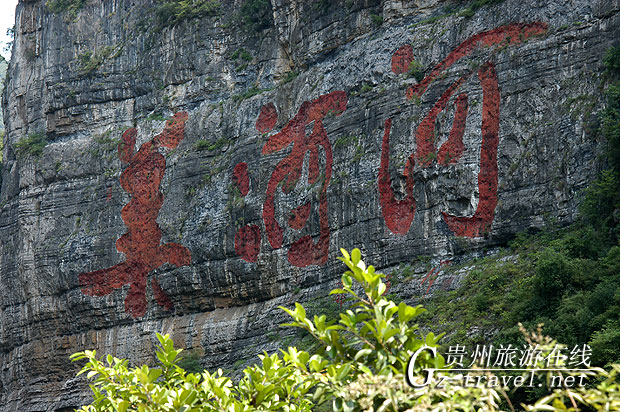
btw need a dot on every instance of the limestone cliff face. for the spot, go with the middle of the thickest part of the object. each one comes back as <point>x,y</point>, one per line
<point>197,176</point>
<point>3,67</point>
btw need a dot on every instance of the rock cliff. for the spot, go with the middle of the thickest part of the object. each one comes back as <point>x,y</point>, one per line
<point>189,172</point>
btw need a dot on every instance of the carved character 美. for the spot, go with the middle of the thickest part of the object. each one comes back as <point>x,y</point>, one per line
<point>142,242</point>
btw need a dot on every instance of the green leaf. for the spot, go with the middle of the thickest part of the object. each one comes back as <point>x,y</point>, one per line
<point>347,281</point>
<point>123,405</point>
<point>300,311</point>
<point>356,255</point>
<point>362,353</point>
<point>381,289</point>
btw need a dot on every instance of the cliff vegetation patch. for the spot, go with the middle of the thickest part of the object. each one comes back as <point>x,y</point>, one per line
<point>31,146</point>
<point>71,7</point>
<point>169,13</point>
<point>89,62</point>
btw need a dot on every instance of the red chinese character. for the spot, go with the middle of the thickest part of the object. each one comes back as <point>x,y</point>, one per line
<point>399,213</point>
<point>142,242</point>
<point>288,171</point>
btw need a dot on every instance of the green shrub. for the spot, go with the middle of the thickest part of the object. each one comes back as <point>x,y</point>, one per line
<point>377,19</point>
<point>416,70</point>
<point>189,361</point>
<point>211,146</point>
<point>255,15</point>
<point>290,76</point>
<point>242,54</point>
<point>89,62</point>
<point>169,13</point>
<point>31,146</point>
<point>374,339</point>
<point>610,122</point>
<point>71,7</point>
<point>360,366</point>
<point>251,92</point>
<point>476,5</point>
<point>605,344</point>
<point>612,60</point>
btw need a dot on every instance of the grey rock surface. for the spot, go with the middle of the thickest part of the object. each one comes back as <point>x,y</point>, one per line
<point>3,67</point>
<point>82,82</point>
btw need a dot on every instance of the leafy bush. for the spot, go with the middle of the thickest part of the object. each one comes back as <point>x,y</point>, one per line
<point>601,205</point>
<point>377,19</point>
<point>416,70</point>
<point>71,7</point>
<point>373,341</point>
<point>31,146</point>
<point>255,15</point>
<point>611,115</point>
<point>360,365</point>
<point>612,60</point>
<point>476,5</point>
<point>169,13</point>
<point>601,199</point>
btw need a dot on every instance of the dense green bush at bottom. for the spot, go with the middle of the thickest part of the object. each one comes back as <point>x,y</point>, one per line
<point>360,365</point>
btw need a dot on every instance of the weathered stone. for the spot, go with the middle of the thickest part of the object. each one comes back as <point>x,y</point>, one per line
<point>512,90</point>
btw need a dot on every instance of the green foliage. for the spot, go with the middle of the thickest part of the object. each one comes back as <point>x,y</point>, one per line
<point>254,15</point>
<point>242,58</point>
<point>211,146</point>
<point>290,76</point>
<point>416,70</point>
<point>242,54</point>
<point>612,60</point>
<point>156,117</point>
<point>567,280</point>
<point>601,205</point>
<point>611,115</point>
<point>321,5</point>
<point>601,200</point>
<point>71,7</point>
<point>169,13</point>
<point>89,62</point>
<point>377,19</point>
<point>374,339</point>
<point>604,396</point>
<point>476,5</point>
<point>31,146</point>
<point>360,366</point>
<point>189,361</point>
<point>251,92</point>
<point>345,140</point>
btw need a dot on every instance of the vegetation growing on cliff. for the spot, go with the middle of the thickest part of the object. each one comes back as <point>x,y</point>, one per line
<point>89,62</point>
<point>169,13</point>
<point>71,7</point>
<point>254,15</point>
<point>476,5</point>
<point>31,146</point>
